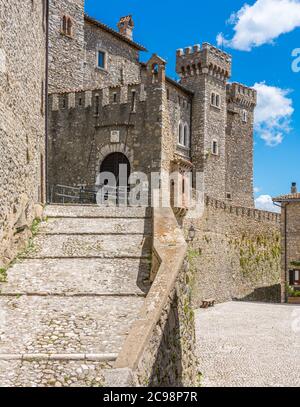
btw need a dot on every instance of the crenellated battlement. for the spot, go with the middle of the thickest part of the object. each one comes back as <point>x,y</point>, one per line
<point>197,60</point>
<point>241,94</point>
<point>86,98</point>
<point>252,213</point>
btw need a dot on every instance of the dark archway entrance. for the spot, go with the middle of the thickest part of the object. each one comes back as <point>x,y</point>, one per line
<point>118,165</point>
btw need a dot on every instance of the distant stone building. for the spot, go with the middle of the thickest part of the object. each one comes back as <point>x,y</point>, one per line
<point>22,119</point>
<point>107,108</point>
<point>290,240</point>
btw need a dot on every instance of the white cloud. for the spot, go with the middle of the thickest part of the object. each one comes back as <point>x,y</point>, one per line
<point>273,113</point>
<point>257,190</point>
<point>261,23</point>
<point>265,203</point>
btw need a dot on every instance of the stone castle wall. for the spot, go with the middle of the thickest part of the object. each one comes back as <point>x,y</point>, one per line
<point>66,53</point>
<point>122,60</point>
<point>22,119</point>
<point>236,254</point>
<point>160,348</point>
<point>205,71</point>
<point>239,144</point>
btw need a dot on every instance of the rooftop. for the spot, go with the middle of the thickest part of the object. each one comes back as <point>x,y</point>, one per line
<point>287,198</point>
<point>114,32</point>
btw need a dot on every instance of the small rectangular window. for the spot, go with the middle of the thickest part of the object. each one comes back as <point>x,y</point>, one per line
<point>215,149</point>
<point>245,116</point>
<point>115,98</point>
<point>215,100</point>
<point>101,59</point>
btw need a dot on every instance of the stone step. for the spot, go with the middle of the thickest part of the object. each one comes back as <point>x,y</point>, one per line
<point>78,276</point>
<point>96,226</point>
<point>62,325</point>
<point>53,373</point>
<point>95,211</point>
<point>98,246</point>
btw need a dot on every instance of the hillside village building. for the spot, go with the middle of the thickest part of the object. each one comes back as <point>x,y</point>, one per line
<point>290,240</point>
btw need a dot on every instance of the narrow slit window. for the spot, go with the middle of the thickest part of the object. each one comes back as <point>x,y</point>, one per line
<point>97,105</point>
<point>215,148</point>
<point>133,101</point>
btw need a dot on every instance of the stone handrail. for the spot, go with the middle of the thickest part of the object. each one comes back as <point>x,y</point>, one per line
<point>145,345</point>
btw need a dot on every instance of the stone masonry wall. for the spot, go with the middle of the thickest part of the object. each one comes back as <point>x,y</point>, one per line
<point>22,120</point>
<point>160,347</point>
<point>80,138</point>
<point>236,254</point>
<point>204,70</point>
<point>66,53</point>
<point>122,60</point>
<point>239,144</point>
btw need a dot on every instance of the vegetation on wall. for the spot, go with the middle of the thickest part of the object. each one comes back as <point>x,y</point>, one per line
<point>258,254</point>
<point>29,248</point>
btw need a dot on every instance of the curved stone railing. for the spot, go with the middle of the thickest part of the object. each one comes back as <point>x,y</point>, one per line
<point>159,349</point>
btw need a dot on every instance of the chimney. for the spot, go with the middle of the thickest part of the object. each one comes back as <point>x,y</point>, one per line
<point>294,188</point>
<point>126,26</point>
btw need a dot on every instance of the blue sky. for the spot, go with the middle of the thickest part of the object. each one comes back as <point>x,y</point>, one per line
<point>260,38</point>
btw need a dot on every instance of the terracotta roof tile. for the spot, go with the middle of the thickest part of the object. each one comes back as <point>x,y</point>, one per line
<point>287,198</point>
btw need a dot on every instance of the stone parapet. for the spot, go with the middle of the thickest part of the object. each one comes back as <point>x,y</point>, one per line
<point>159,350</point>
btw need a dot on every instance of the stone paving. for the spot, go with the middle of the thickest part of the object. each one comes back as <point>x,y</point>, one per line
<point>68,304</point>
<point>249,345</point>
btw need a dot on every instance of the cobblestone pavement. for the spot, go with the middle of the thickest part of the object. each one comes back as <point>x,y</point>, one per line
<point>68,304</point>
<point>249,345</point>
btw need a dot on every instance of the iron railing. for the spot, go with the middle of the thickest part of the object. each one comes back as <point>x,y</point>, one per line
<point>81,195</point>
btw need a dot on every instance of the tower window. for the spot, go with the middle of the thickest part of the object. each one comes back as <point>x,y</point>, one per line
<point>133,101</point>
<point>115,98</point>
<point>97,100</point>
<point>180,134</point>
<point>245,116</point>
<point>215,100</point>
<point>215,147</point>
<point>101,60</point>
<point>186,139</point>
<point>67,26</point>
<point>184,135</point>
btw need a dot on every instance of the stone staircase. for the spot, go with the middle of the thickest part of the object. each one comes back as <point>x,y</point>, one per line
<point>68,305</point>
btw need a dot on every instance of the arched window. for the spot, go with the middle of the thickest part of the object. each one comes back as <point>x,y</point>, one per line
<point>69,27</point>
<point>155,69</point>
<point>64,25</point>
<point>181,134</point>
<point>213,99</point>
<point>186,136</point>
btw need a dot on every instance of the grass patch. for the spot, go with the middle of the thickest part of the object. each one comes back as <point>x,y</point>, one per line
<point>29,249</point>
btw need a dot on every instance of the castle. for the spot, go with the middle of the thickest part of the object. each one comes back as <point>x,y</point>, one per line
<point>108,108</point>
<point>76,101</point>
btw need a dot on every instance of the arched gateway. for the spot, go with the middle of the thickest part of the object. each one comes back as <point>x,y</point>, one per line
<point>118,165</point>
